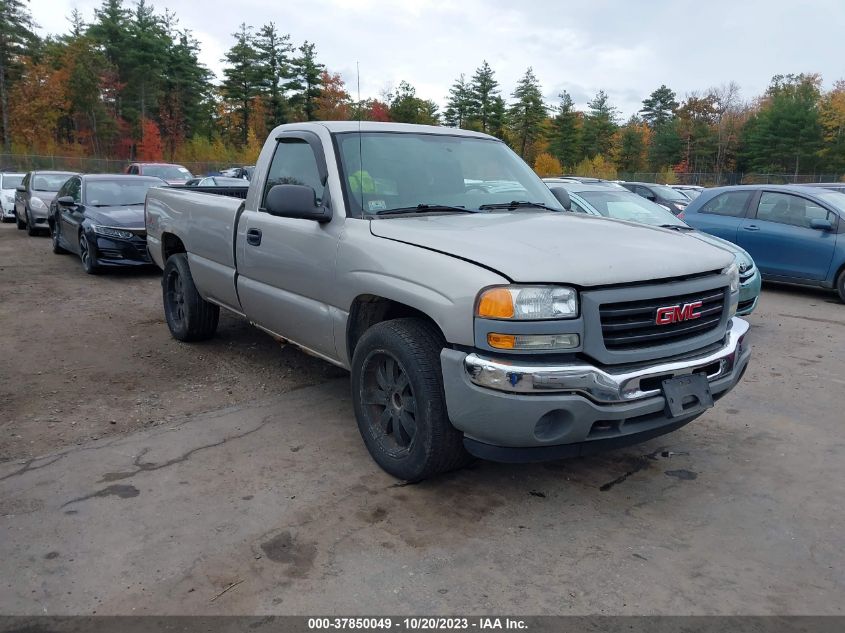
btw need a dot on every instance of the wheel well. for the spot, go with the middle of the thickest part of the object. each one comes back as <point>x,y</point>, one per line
<point>367,310</point>
<point>171,245</point>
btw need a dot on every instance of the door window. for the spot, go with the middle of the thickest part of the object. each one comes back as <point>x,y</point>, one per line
<point>731,203</point>
<point>785,208</point>
<point>72,188</point>
<point>294,163</point>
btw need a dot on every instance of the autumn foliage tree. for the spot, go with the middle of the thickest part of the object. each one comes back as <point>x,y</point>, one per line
<point>149,148</point>
<point>334,102</point>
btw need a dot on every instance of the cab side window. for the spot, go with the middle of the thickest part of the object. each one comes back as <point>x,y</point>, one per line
<point>73,188</point>
<point>731,203</point>
<point>785,208</point>
<point>294,163</point>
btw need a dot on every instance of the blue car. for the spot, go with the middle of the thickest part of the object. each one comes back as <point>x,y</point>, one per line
<point>795,234</point>
<point>620,204</point>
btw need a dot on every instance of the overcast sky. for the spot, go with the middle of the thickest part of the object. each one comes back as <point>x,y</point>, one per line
<point>625,48</point>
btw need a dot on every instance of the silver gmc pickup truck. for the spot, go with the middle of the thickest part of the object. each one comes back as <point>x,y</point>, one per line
<point>477,316</point>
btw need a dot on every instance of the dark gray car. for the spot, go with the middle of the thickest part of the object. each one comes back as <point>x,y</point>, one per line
<point>33,198</point>
<point>668,198</point>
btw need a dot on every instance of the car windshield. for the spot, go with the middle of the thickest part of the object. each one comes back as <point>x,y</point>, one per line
<point>114,193</point>
<point>49,182</point>
<point>692,194</point>
<point>623,205</point>
<point>667,193</point>
<point>385,171</point>
<point>834,198</point>
<point>12,181</point>
<point>166,172</point>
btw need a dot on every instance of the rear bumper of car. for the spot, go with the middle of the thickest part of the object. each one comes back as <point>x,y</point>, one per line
<point>511,411</point>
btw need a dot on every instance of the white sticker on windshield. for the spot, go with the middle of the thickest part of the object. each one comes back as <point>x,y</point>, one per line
<point>376,205</point>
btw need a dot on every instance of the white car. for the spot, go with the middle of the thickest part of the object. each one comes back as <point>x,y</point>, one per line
<point>8,183</point>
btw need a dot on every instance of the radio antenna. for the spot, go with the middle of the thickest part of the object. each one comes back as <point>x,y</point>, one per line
<point>360,148</point>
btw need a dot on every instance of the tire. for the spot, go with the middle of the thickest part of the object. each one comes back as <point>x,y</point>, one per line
<point>840,285</point>
<point>189,316</point>
<point>88,255</point>
<point>54,238</point>
<point>21,223</point>
<point>31,229</point>
<point>399,402</point>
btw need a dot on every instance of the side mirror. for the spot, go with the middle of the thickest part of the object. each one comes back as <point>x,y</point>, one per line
<point>562,196</point>
<point>66,201</point>
<point>822,224</point>
<point>296,201</point>
<point>21,188</point>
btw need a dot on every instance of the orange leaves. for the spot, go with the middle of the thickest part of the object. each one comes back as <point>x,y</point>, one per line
<point>38,101</point>
<point>149,148</point>
<point>333,104</point>
<point>547,165</point>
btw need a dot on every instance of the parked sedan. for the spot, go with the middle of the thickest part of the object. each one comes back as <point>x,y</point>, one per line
<point>624,205</point>
<point>796,234</point>
<point>9,183</point>
<point>690,191</point>
<point>217,181</point>
<point>168,172</point>
<point>101,218</point>
<point>666,197</point>
<point>33,197</point>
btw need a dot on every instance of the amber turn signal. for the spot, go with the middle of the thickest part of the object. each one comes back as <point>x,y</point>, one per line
<point>495,303</point>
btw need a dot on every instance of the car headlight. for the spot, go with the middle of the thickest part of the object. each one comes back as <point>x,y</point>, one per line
<point>10,198</point>
<point>527,303</point>
<point>107,231</point>
<point>37,203</point>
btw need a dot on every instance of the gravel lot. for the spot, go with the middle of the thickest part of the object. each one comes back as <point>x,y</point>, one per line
<point>170,472</point>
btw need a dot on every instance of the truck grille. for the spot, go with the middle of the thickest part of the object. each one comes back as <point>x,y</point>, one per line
<point>632,324</point>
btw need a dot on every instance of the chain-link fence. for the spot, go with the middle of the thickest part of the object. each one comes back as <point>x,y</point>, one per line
<point>28,162</point>
<point>713,179</point>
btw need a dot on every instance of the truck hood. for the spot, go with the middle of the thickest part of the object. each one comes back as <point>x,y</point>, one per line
<point>531,247</point>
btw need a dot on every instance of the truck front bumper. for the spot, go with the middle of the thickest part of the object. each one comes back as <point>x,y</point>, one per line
<point>528,411</point>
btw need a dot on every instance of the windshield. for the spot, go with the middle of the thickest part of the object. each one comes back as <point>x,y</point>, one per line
<point>49,182</point>
<point>12,181</point>
<point>692,194</point>
<point>621,205</point>
<point>401,171</point>
<point>115,193</point>
<point>667,193</point>
<point>166,172</point>
<point>834,198</point>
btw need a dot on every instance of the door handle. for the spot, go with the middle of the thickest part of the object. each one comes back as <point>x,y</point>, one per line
<point>751,227</point>
<point>253,237</point>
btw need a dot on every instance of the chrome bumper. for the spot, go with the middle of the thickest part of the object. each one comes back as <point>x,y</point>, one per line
<point>622,384</point>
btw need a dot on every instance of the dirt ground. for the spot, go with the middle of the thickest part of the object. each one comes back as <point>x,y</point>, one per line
<point>86,357</point>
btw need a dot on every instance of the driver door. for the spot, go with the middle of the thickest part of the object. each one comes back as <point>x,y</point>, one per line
<point>70,218</point>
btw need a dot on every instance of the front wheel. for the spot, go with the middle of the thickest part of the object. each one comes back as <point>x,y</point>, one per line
<point>54,237</point>
<point>21,223</point>
<point>840,285</point>
<point>188,315</point>
<point>400,406</point>
<point>31,229</point>
<point>88,255</point>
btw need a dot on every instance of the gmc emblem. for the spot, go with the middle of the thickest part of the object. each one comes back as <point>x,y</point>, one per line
<point>678,313</point>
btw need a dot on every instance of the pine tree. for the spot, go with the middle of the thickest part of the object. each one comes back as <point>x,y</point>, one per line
<point>406,107</point>
<point>306,73</point>
<point>483,91</point>
<point>629,156</point>
<point>599,126</point>
<point>659,107</point>
<point>241,81</point>
<point>16,36</point>
<point>528,112</point>
<point>565,141</point>
<point>458,105</point>
<point>274,66</point>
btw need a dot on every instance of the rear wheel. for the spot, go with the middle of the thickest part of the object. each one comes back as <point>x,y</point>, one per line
<point>88,255</point>
<point>188,315</point>
<point>840,285</point>
<point>54,237</point>
<point>400,406</point>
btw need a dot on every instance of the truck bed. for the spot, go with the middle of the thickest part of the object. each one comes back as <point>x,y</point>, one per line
<point>205,223</point>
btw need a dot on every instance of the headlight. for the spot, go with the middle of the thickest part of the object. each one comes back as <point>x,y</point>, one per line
<point>107,231</point>
<point>732,272</point>
<point>9,198</point>
<point>527,303</point>
<point>37,203</point>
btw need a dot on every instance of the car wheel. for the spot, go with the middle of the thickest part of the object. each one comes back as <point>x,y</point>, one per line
<point>840,285</point>
<point>31,229</point>
<point>21,223</point>
<point>189,316</point>
<point>399,403</point>
<point>54,237</point>
<point>88,255</point>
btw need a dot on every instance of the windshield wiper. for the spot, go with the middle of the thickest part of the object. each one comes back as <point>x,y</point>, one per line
<point>517,204</point>
<point>676,227</point>
<point>425,208</point>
